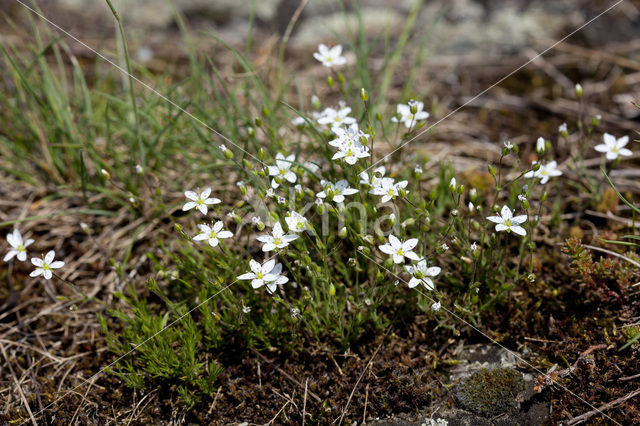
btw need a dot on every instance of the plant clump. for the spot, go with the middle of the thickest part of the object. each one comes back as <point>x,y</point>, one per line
<point>490,391</point>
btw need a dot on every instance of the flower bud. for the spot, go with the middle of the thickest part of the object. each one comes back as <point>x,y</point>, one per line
<point>332,290</point>
<point>139,169</point>
<point>261,154</point>
<point>364,95</point>
<point>525,204</point>
<point>251,132</point>
<point>413,106</point>
<point>541,146</point>
<point>402,192</point>
<point>453,185</point>
<point>378,116</point>
<point>492,170</point>
<point>342,233</point>
<point>388,263</point>
<point>105,174</point>
<point>543,198</point>
<point>535,167</point>
<point>340,78</point>
<point>579,90</point>
<point>315,102</point>
<point>595,121</point>
<point>228,154</point>
<point>461,189</point>
<point>265,111</point>
<point>330,81</point>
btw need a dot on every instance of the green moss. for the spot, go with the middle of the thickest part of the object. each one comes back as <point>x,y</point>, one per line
<point>490,392</point>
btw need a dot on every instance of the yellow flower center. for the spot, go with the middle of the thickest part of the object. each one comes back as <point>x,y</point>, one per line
<point>21,248</point>
<point>507,222</point>
<point>259,275</point>
<point>276,241</point>
<point>283,172</point>
<point>399,252</point>
<point>390,191</point>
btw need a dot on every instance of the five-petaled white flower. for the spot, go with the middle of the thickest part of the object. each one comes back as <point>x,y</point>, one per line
<point>296,222</point>
<point>212,233</point>
<point>336,191</point>
<point>614,147</point>
<point>508,222</point>
<point>400,249</point>
<point>330,57</point>
<point>407,117</point>
<point>282,170</point>
<point>276,240</point>
<point>336,118</point>
<point>199,201</point>
<point>544,172</point>
<point>388,188</point>
<point>18,246</point>
<point>421,274</point>
<point>45,265</point>
<point>268,273</point>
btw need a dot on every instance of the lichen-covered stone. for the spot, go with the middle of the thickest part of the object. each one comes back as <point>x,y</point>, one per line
<point>489,392</point>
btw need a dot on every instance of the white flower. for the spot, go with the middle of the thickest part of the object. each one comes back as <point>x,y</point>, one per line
<point>614,147</point>
<point>296,222</point>
<point>336,191</point>
<point>436,307</point>
<point>375,179</point>
<point>508,145</point>
<point>349,144</point>
<point>223,148</point>
<point>336,118</point>
<point>299,121</point>
<point>270,193</point>
<point>330,57</point>
<point>199,201</point>
<point>388,188</point>
<point>212,233</point>
<point>474,246</point>
<point>471,207</point>
<point>407,117</point>
<point>18,246</point>
<point>522,198</point>
<point>544,172</point>
<point>562,128</point>
<point>268,274</point>
<point>420,274</point>
<point>418,169</point>
<point>507,222</point>
<point>246,309</point>
<point>400,249</point>
<point>276,240</point>
<point>281,200</point>
<point>282,169</point>
<point>540,145</point>
<point>44,266</point>
<point>444,247</point>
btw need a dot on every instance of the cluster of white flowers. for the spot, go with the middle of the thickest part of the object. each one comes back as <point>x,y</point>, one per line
<point>350,145</point>
<point>44,265</point>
